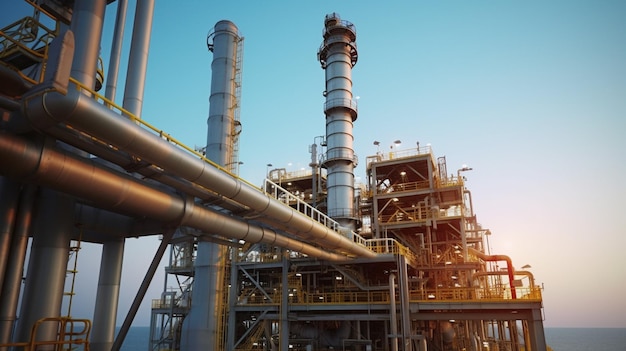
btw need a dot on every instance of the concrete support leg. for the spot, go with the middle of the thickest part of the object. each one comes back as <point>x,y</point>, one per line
<point>107,295</point>
<point>47,264</point>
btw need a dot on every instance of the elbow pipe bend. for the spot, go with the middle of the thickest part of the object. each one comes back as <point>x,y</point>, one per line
<point>495,258</point>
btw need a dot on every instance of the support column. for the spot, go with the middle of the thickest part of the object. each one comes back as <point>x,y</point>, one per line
<point>107,295</point>
<point>9,195</point>
<point>284,304</point>
<point>47,264</point>
<point>537,334</point>
<point>15,263</point>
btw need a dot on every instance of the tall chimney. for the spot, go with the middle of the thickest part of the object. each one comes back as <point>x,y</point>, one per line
<point>338,54</point>
<point>202,327</point>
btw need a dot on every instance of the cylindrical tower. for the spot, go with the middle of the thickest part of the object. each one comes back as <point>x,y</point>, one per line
<point>338,54</point>
<point>204,326</point>
<point>223,123</point>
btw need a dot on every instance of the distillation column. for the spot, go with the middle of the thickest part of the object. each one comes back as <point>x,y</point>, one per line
<point>338,54</point>
<point>203,326</point>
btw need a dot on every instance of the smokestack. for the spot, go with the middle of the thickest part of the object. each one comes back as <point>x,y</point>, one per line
<point>223,121</point>
<point>338,54</point>
<point>202,326</point>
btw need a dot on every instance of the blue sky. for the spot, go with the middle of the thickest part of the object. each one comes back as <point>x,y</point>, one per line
<point>531,95</point>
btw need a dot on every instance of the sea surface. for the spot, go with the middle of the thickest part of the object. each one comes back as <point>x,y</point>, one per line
<point>559,339</point>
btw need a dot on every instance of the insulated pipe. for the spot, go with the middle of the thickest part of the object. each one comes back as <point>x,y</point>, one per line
<point>9,196</point>
<point>87,21</point>
<point>138,57</point>
<point>107,295</point>
<point>85,179</point>
<point>116,50</point>
<point>338,55</point>
<point>495,258</point>
<point>15,263</point>
<point>47,264</point>
<point>85,114</point>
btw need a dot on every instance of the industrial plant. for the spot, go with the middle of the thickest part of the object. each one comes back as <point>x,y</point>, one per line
<point>310,260</point>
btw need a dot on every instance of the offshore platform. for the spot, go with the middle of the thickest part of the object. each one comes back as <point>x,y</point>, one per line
<point>309,261</point>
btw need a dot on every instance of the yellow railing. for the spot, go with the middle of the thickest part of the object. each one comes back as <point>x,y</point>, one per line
<point>71,334</point>
<point>123,112</point>
<point>382,296</point>
<point>29,37</point>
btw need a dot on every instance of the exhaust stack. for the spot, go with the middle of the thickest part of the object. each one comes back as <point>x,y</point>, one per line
<point>337,55</point>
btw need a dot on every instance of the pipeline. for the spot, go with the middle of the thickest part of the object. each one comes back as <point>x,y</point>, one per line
<point>495,258</point>
<point>84,178</point>
<point>47,109</point>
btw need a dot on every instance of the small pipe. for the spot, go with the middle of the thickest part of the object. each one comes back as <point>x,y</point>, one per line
<point>393,319</point>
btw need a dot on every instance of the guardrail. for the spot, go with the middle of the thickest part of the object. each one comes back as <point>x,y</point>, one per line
<point>527,294</point>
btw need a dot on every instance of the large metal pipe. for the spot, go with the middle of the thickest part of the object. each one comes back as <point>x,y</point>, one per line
<point>116,50</point>
<point>138,57</point>
<point>9,195</point>
<point>15,263</point>
<point>47,264</point>
<point>496,258</point>
<point>87,21</point>
<point>107,295</point>
<point>85,114</point>
<point>85,179</point>
<point>338,55</point>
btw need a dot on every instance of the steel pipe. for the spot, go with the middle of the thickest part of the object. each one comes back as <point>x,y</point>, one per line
<point>83,113</point>
<point>85,179</point>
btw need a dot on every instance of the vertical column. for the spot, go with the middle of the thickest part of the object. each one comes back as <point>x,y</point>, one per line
<point>9,195</point>
<point>203,326</point>
<point>45,279</point>
<point>537,333</point>
<point>87,21</point>
<point>338,55</point>
<point>107,295</point>
<point>15,263</point>
<point>138,57</point>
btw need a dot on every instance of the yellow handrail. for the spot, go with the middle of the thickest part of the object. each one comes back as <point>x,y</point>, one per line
<point>113,106</point>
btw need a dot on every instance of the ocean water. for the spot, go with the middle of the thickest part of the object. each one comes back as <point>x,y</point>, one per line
<point>586,339</point>
<point>559,339</point>
<point>136,339</point>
